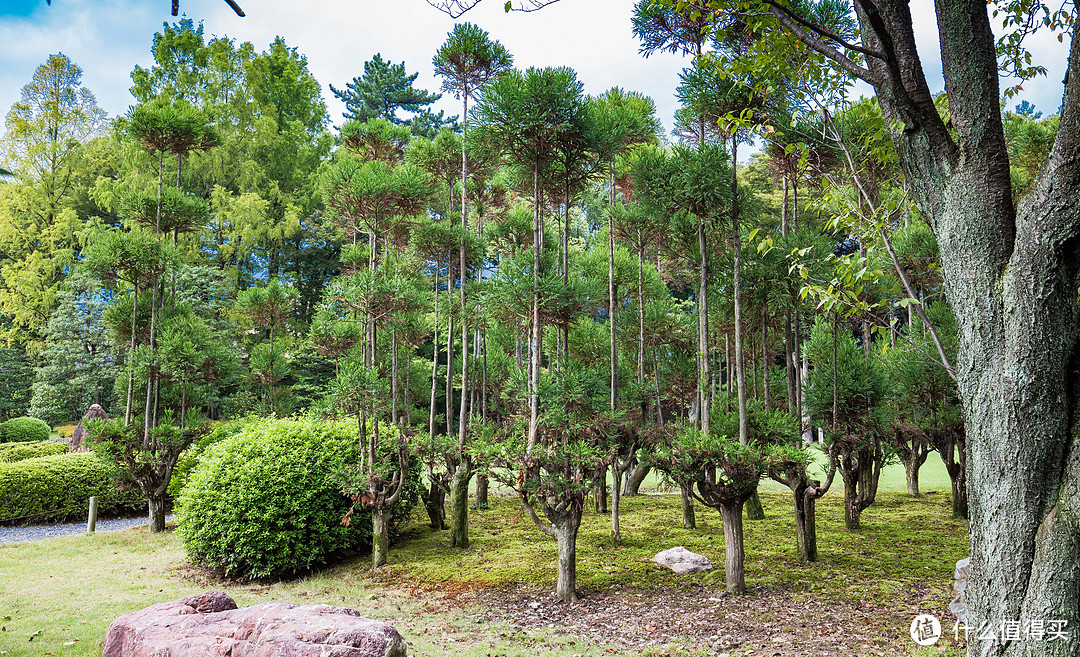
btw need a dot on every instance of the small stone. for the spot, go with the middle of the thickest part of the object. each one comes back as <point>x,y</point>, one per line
<point>682,561</point>
<point>95,412</point>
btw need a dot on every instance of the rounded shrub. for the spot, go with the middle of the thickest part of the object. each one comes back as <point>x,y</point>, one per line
<point>12,452</point>
<point>56,486</point>
<point>185,465</point>
<point>263,503</point>
<point>24,430</point>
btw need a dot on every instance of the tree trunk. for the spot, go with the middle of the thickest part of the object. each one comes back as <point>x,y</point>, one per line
<point>156,508</point>
<point>435,504</point>
<point>634,480</point>
<point>703,330</point>
<point>380,536</point>
<point>911,471</point>
<point>434,356</point>
<point>600,493</point>
<point>765,357</point>
<point>481,492</point>
<point>852,509</point>
<point>449,363</point>
<point>754,510</point>
<point>734,558</point>
<point>689,521</point>
<point>616,497</point>
<point>736,285</point>
<point>537,329</point>
<point>459,505</point>
<point>566,531</point>
<point>805,525</point>
<point>613,356</point>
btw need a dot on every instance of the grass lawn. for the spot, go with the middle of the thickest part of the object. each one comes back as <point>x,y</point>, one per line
<point>57,597</point>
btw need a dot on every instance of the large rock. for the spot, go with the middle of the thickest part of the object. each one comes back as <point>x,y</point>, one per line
<point>683,561</point>
<point>95,412</point>
<point>210,625</point>
<point>960,580</point>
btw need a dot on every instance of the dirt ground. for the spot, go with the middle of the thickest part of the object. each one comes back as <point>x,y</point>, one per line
<point>697,620</point>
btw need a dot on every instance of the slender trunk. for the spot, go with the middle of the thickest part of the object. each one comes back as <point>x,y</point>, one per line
<point>703,331</point>
<point>789,361</point>
<point>613,357</point>
<point>852,508</point>
<point>537,329</point>
<point>616,497</point>
<point>459,504</point>
<point>147,423</point>
<point>753,367</point>
<point>434,358</point>
<point>797,361</point>
<point>460,525</point>
<point>641,329</point>
<point>393,377</point>
<point>805,524</point>
<point>600,492</point>
<point>380,536</point>
<point>734,558</point>
<point>765,356</point>
<point>131,362</point>
<point>449,367</point>
<point>736,283</point>
<point>835,373</point>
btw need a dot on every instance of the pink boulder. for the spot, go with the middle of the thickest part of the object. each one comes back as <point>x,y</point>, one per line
<point>210,625</point>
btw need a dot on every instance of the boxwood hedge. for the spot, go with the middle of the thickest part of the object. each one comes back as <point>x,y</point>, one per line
<point>24,430</point>
<point>263,503</point>
<point>12,452</point>
<point>57,486</point>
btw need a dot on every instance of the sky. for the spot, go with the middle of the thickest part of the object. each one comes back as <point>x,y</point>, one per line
<point>107,38</point>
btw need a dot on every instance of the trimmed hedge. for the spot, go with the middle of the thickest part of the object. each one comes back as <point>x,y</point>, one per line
<point>57,486</point>
<point>263,503</point>
<point>12,452</point>
<point>24,430</point>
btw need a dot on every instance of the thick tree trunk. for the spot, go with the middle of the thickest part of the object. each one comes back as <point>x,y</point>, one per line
<point>805,526</point>
<point>600,493</point>
<point>754,510</point>
<point>566,531</point>
<point>380,536</point>
<point>156,508</point>
<point>689,520</point>
<point>634,479</point>
<point>435,504</point>
<point>734,559</point>
<point>459,505</point>
<point>911,470</point>
<point>481,492</point>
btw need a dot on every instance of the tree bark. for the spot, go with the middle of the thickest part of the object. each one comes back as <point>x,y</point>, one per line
<point>435,505</point>
<point>634,480</point>
<point>459,504</point>
<point>481,492</point>
<point>734,558</point>
<point>566,532</point>
<point>380,536</point>
<point>156,509</point>
<point>689,520</point>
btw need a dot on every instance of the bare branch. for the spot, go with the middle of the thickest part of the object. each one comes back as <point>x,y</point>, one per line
<point>823,32</point>
<point>455,8</point>
<point>824,48</point>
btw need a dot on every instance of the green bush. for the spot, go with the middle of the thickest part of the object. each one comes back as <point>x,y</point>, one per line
<point>57,486</point>
<point>24,430</point>
<point>263,503</point>
<point>12,452</point>
<point>190,458</point>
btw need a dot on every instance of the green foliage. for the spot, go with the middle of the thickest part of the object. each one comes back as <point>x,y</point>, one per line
<point>56,486</point>
<point>12,452</point>
<point>860,385</point>
<point>383,90</point>
<point>16,377</point>
<point>185,465</point>
<point>262,503</point>
<point>24,430</point>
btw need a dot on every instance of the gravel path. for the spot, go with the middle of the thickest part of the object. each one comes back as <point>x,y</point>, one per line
<point>41,532</point>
